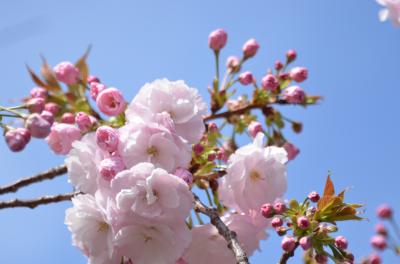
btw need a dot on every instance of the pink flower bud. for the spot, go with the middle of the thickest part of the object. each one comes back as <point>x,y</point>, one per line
<point>48,116</point>
<point>314,196</point>
<point>284,76</point>
<point>35,105</point>
<point>341,242</point>
<point>52,108</point>
<point>217,39</point>
<point>184,174</point>
<point>211,156</point>
<point>246,78</point>
<point>292,150</point>
<point>267,210</point>
<point>222,155</point>
<point>303,223</point>
<point>111,102</point>
<point>92,78</point>
<point>305,243</point>
<point>384,211</point>
<point>95,89</point>
<point>66,72</point>
<point>299,74</point>
<point>212,127</point>
<point>68,118</point>
<point>379,242</point>
<point>276,222</point>
<point>381,229</point>
<point>279,207</point>
<point>198,149</point>
<point>250,48</point>
<point>233,63</point>
<point>288,244</point>
<point>17,138</point>
<point>181,261</point>
<point>62,136</point>
<point>294,95</point>
<point>278,65</point>
<point>270,83</point>
<point>37,126</point>
<point>38,92</point>
<point>254,128</point>
<point>374,259</point>
<point>83,121</point>
<point>321,258</point>
<point>109,167</point>
<point>291,55</point>
<point>107,138</point>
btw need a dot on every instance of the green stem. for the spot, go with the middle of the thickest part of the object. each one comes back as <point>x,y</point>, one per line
<point>217,66</point>
<point>199,218</point>
<point>2,108</point>
<point>209,197</point>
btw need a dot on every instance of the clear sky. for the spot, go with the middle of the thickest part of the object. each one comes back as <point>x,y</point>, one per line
<point>353,61</point>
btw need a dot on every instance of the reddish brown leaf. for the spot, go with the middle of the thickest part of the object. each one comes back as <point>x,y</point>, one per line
<point>48,75</point>
<point>36,79</point>
<point>329,192</point>
<point>82,66</point>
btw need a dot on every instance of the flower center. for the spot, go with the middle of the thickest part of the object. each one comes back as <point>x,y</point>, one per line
<point>254,175</point>
<point>103,227</point>
<point>152,151</point>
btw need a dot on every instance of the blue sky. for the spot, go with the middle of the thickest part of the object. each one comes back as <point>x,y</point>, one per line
<point>352,59</point>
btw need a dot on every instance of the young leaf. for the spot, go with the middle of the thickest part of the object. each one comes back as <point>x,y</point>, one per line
<point>36,79</point>
<point>329,192</point>
<point>82,65</point>
<point>48,75</point>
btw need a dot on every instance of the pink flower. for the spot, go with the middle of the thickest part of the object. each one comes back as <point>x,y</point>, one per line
<point>257,173</point>
<point>153,143</point>
<point>392,11</point>
<point>292,150</point>
<point>52,108</point>
<point>305,243</point>
<point>217,39</point>
<point>185,175</point>
<point>62,136</point>
<point>267,210</point>
<point>68,118</point>
<point>109,167</point>
<point>303,222</point>
<point>111,102</point>
<point>92,78</point>
<point>294,95</point>
<point>319,258</point>
<point>381,229</point>
<point>270,83</point>
<point>107,138</point>
<point>379,242</point>
<point>95,89</point>
<point>35,105</point>
<point>341,242</point>
<point>83,121</point>
<point>291,55</point>
<point>37,126</point>
<point>314,196</point>
<point>17,138</point>
<point>250,48</point>
<point>374,259</point>
<point>152,193</point>
<point>66,72</point>
<point>288,243</point>
<point>299,74</point>
<point>254,128</point>
<point>280,207</point>
<point>384,211</point>
<point>48,116</point>
<point>233,63</point>
<point>276,222</point>
<point>183,104</point>
<point>246,78</point>
<point>38,92</point>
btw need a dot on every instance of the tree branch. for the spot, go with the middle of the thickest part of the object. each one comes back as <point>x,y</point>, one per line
<point>230,236</point>
<point>48,175</point>
<point>287,255</point>
<point>39,201</point>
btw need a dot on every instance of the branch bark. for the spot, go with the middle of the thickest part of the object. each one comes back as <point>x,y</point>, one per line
<point>39,201</point>
<point>230,236</point>
<point>48,175</point>
<point>287,255</point>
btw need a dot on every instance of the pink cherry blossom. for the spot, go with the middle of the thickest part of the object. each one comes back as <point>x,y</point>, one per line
<point>217,39</point>
<point>184,105</point>
<point>111,102</point>
<point>391,11</point>
<point>37,126</point>
<point>62,136</point>
<point>66,72</point>
<point>17,138</point>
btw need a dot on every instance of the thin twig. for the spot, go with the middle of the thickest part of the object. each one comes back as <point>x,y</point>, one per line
<point>223,230</point>
<point>48,175</point>
<point>287,255</point>
<point>38,201</point>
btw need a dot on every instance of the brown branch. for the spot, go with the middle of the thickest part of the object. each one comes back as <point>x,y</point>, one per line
<point>223,230</point>
<point>38,201</point>
<point>48,175</point>
<point>287,255</point>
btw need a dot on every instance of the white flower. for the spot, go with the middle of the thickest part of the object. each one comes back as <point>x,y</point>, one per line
<point>152,193</point>
<point>392,11</point>
<point>258,174</point>
<point>183,104</point>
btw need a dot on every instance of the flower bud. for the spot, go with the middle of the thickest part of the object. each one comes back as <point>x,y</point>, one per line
<point>37,126</point>
<point>211,156</point>
<point>17,138</point>
<point>111,102</point>
<point>270,83</point>
<point>38,92</point>
<point>83,121</point>
<point>52,108</point>
<point>107,138</point>
<point>267,210</point>
<point>298,74</point>
<point>95,89</point>
<point>198,149</point>
<point>374,259</point>
<point>212,127</point>
<point>250,48</point>
<point>217,39</point>
<point>62,136</point>
<point>384,211</point>
<point>288,244</point>
<point>109,167</point>
<point>35,105</point>
<point>381,229</point>
<point>281,231</point>
<point>276,222</point>
<point>379,242</point>
<point>184,174</point>
<point>314,196</point>
<point>279,207</point>
<point>292,150</point>
<point>48,116</point>
<point>246,78</point>
<point>278,65</point>
<point>341,242</point>
<point>233,64</point>
<point>68,118</point>
<point>294,95</point>
<point>92,78</point>
<point>319,258</point>
<point>66,72</point>
<point>291,55</point>
<point>305,243</point>
<point>303,223</point>
<point>254,128</point>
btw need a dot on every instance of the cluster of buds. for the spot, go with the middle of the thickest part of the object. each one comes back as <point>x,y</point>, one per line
<point>309,225</point>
